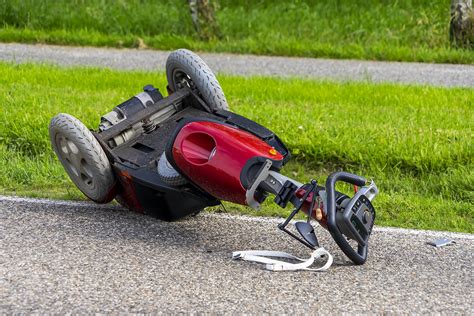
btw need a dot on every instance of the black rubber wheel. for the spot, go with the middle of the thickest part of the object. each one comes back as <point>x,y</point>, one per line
<point>168,174</point>
<point>82,157</point>
<point>185,68</point>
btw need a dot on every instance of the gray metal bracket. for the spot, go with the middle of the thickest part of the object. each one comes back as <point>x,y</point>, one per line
<point>249,195</point>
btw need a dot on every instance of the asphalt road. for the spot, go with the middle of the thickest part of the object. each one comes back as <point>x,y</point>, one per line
<point>81,258</point>
<point>249,65</point>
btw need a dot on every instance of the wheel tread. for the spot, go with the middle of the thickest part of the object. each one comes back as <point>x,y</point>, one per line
<point>201,74</point>
<point>91,148</point>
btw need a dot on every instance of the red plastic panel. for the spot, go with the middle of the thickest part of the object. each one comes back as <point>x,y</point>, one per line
<point>127,193</point>
<point>212,155</point>
<point>198,148</point>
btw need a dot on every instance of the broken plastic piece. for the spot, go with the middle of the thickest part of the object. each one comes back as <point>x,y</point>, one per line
<point>441,242</point>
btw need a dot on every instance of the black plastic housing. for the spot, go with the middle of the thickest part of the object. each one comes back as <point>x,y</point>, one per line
<point>159,200</point>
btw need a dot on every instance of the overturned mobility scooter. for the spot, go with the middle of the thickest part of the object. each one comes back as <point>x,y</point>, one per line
<point>173,156</point>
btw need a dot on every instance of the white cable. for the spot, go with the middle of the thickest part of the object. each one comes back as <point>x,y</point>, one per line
<point>277,265</point>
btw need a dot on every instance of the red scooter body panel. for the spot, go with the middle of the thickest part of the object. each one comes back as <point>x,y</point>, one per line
<point>213,155</point>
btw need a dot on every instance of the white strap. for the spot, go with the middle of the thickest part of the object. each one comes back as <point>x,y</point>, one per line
<point>277,265</point>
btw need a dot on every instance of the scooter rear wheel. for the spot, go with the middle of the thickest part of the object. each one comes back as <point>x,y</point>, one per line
<point>82,157</point>
<point>185,68</point>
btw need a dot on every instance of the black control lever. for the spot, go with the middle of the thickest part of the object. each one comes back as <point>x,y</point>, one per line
<point>306,231</point>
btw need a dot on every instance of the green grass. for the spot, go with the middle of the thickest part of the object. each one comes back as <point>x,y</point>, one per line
<point>415,142</point>
<point>406,30</point>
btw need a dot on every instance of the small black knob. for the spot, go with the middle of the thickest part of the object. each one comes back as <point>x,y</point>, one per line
<point>366,217</point>
<point>149,88</point>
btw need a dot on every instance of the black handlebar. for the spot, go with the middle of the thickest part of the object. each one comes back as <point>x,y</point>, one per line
<point>360,256</point>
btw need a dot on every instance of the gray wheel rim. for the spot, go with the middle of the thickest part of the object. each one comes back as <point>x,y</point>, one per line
<point>181,79</point>
<point>75,162</point>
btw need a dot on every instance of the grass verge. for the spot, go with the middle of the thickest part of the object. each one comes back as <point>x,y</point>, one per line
<point>416,142</point>
<point>362,29</point>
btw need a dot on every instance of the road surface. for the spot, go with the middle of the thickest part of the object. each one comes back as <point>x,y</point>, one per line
<point>58,256</point>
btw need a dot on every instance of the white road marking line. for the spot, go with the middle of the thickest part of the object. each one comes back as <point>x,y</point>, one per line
<point>394,230</point>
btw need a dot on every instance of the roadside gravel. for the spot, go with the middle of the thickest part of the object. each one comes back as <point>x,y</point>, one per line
<point>249,65</point>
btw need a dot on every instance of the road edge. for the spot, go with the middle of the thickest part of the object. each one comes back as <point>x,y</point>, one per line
<point>395,230</point>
